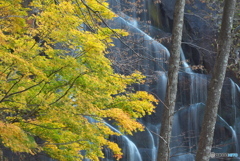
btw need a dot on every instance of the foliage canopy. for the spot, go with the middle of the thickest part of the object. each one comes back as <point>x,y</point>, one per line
<point>55,79</point>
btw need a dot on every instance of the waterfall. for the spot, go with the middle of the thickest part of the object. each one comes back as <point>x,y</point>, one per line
<point>185,66</point>
<point>235,95</point>
<point>130,151</point>
<point>235,139</point>
<point>142,51</point>
<point>150,55</point>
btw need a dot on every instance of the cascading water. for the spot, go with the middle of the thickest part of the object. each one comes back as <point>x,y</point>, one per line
<point>130,150</point>
<point>142,52</point>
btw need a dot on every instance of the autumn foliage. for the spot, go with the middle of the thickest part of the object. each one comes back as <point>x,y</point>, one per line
<point>56,83</point>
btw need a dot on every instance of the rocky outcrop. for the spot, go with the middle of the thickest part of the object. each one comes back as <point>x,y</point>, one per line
<point>199,33</point>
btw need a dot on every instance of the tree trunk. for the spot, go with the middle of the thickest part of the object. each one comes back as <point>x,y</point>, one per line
<point>1,155</point>
<point>215,88</point>
<point>167,118</point>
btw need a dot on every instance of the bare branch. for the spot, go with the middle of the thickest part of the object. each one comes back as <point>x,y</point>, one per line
<point>199,47</point>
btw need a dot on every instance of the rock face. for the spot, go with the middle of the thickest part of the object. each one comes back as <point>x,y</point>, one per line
<point>199,34</point>
<point>7,155</point>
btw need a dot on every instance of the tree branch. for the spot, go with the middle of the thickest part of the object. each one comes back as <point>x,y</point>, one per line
<point>24,89</point>
<point>6,95</point>
<point>66,92</point>
<point>199,47</point>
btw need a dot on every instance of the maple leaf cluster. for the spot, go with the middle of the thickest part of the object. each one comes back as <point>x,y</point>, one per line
<point>57,84</point>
